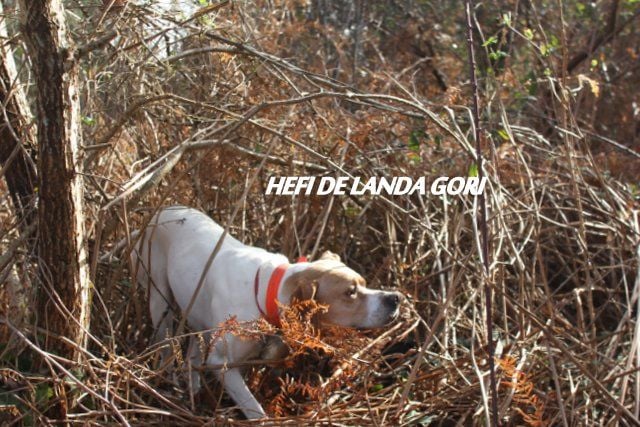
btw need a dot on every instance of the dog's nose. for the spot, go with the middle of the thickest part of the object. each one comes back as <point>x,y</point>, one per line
<point>393,299</point>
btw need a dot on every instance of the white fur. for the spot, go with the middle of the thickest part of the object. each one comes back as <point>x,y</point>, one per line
<point>169,261</point>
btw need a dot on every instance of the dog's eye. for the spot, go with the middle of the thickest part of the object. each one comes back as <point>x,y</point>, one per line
<point>352,292</point>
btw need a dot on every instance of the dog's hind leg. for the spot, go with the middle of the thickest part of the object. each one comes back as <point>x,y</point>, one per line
<point>149,267</point>
<point>160,309</point>
<point>162,317</point>
<point>152,273</point>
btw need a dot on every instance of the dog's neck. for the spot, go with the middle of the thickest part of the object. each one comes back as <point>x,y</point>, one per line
<point>267,284</point>
<point>286,291</point>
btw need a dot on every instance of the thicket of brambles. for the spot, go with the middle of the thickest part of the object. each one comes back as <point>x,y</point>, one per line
<point>199,103</point>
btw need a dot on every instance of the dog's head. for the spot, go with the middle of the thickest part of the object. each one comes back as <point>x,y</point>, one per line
<point>330,282</point>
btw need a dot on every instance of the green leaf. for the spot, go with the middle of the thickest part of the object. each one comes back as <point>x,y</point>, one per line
<point>414,139</point>
<point>351,211</point>
<point>503,134</point>
<point>547,48</point>
<point>438,140</point>
<point>44,392</point>
<point>506,19</point>
<point>494,56</point>
<point>491,40</point>
<point>528,33</point>
<point>414,143</point>
<point>414,158</point>
<point>89,121</point>
<point>473,170</point>
<point>78,373</point>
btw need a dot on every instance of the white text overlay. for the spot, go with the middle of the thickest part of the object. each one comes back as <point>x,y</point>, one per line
<point>391,186</point>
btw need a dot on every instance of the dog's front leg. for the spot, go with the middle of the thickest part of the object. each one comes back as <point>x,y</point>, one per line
<point>195,358</point>
<point>231,350</point>
<point>235,386</point>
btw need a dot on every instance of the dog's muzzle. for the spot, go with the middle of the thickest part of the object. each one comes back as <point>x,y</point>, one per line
<point>391,302</point>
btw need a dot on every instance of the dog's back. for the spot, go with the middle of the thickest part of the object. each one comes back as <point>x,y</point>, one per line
<point>174,249</point>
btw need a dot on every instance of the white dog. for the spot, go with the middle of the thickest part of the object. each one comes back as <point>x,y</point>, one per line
<point>245,282</point>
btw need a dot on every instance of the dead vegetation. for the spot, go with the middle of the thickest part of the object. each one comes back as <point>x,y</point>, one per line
<point>200,108</point>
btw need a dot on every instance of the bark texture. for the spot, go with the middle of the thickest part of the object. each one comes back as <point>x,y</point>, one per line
<point>65,302</point>
<point>15,134</point>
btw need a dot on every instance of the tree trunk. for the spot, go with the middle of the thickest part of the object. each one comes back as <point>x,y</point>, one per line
<point>64,304</point>
<point>15,134</point>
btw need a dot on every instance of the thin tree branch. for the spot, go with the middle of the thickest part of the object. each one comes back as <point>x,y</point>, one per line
<point>484,233</point>
<point>85,49</point>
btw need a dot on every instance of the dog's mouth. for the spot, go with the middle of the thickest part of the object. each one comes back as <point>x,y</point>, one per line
<point>393,316</point>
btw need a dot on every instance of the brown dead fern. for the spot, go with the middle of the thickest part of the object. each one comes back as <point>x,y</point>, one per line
<point>529,405</point>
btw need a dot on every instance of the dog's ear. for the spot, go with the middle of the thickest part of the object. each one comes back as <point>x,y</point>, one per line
<point>330,256</point>
<point>305,290</point>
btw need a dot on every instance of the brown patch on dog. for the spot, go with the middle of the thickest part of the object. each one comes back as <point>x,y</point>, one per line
<point>328,281</point>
